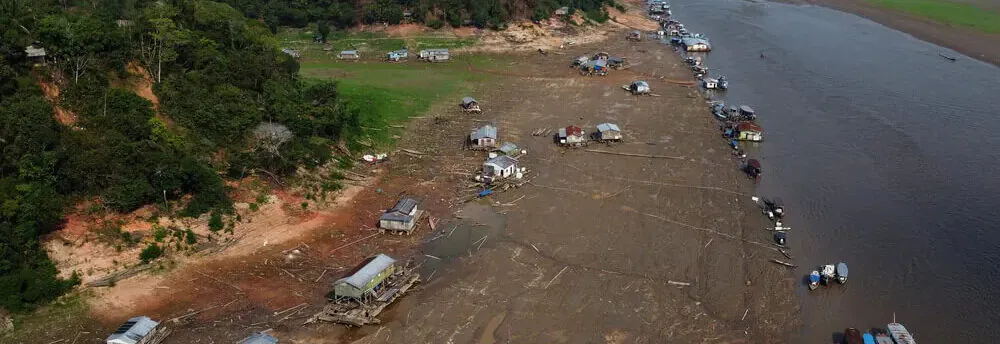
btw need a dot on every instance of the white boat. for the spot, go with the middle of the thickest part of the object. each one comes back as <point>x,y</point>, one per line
<point>899,333</point>
<point>828,273</point>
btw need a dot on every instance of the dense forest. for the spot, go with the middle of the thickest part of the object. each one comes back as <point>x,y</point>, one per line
<point>434,13</point>
<point>230,103</point>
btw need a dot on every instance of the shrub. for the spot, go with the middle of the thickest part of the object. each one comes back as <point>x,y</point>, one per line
<point>435,24</point>
<point>150,253</point>
<point>215,222</point>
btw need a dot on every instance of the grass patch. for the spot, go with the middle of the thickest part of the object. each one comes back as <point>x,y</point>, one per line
<point>951,13</point>
<point>387,93</point>
<point>49,320</point>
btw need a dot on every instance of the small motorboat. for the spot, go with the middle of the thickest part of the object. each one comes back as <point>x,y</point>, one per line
<point>779,238</point>
<point>868,338</point>
<point>826,274</point>
<point>841,272</point>
<point>853,336</point>
<point>752,169</point>
<point>899,333</point>
<point>813,280</point>
<point>882,338</point>
<point>774,208</point>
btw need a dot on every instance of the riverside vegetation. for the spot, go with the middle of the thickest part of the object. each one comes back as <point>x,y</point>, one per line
<point>226,102</point>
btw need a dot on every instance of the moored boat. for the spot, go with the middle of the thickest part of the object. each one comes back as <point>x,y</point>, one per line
<point>868,338</point>
<point>882,338</point>
<point>853,336</point>
<point>899,333</point>
<point>841,272</point>
<point>827,273</point>
<point>813,280</point>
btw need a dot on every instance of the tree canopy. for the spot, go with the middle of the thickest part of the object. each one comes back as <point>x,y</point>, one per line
<point>229,103</point>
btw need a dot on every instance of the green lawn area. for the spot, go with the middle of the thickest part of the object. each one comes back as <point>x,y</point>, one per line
<point>952,13</point>
<point>384,92</point>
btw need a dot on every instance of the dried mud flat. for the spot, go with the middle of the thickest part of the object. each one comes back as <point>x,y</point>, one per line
<point>583,254</point>
<point>592,243</point>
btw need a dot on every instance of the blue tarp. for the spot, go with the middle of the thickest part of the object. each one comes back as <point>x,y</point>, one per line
<point>869,339</point>
<point>813,278</point>
<point>485,193</point>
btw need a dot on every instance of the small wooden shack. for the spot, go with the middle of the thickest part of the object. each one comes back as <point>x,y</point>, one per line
<point>500,167</point>
<point>259,338</point>
<point>349,55</point>
<point>608,132</point>
<point>36,55</point>
<point>572,136</point>
<point>435,55</point>
<point>366,280</point>
<point>402,217</point>
<point>483,138</point>
<point>470,104</point>
<point>138,330</point>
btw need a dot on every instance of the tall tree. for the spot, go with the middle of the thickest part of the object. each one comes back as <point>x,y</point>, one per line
<point>74,40</point>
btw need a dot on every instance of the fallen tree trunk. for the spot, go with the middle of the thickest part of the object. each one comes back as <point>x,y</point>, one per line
<point>635,154</point>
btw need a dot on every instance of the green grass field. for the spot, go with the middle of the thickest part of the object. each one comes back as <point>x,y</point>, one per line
<point>951,13</point>
<point>387,93</point>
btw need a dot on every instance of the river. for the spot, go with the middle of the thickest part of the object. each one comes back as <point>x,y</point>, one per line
<point>884,153</point>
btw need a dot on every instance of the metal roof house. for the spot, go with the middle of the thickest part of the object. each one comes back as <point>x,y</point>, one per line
<point>470,104</point>
<point>259,338</point>
<point>36,55</point>
<point>500,167</point>
<point>748,131</point>
<point>509,149</point>
<point>435,55</point>
<point>398,55</point>
<point>366,280</point>
<point>608,132</point>
<point>484,137</point>
<point>572,136</point>
<point>349,55</point>
<point>402,217</point>
<point>138,330</point>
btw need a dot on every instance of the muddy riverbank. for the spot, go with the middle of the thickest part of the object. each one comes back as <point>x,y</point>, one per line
<point>592,244</point>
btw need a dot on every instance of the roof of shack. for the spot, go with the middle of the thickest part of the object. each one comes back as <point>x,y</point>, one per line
<point>366,273</point>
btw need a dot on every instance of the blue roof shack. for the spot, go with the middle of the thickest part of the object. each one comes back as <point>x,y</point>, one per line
<point>398,55</point>
<point>608,132</point>
<point>259,338</point>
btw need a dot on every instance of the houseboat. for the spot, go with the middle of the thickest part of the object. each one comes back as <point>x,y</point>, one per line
<point>572,136</point>
<point>715,84</point>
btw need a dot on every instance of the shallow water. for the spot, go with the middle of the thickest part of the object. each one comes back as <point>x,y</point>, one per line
<point>884,154</point>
